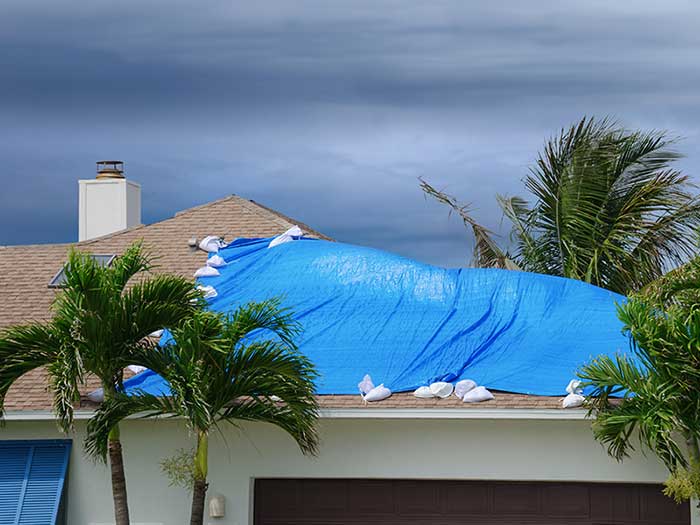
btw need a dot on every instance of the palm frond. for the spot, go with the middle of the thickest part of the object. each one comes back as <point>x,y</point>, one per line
<point>65,376</point>
<point>117,408</point>
<point>133,261</point>
<point>487,253</point>
<point>679,287</point>
<point>229,369</point>
<point>650,413</point>
<point>263,316</point>
<point>611,376</point>
<point>658,382</point>
<point>267,369</point>
<point>297,420</point>
<point>23,349</point>
<point>162,301</point>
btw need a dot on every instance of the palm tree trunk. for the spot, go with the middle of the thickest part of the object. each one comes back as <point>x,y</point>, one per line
<point>199,496</point>
<point>199,492</point>
<point>116,465</point>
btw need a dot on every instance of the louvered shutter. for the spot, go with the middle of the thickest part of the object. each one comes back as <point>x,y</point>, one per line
<point>32,475</point>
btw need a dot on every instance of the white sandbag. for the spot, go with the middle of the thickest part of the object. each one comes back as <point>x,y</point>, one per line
<point>136,369</point>
<point>477,395</point>
<point>209,291</point>
<point>464,386</point>
<point>156,333</point>
<point>366,385</point>
<point>441,389</point>
<point>216,261</point>
<point>573,401</point>
<point>574,387</point>
<point>97,396</point>
<point>207,271</point>
<point>289,235</point>
<point>377,393</point>
<point>423,392</point>
<point>211,244</point>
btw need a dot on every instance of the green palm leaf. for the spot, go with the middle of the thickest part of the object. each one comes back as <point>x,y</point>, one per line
<point>102,317</point>
<point>487,253</point>
<point>605,207</point>
<point>657,403</point>
<point>222,370</point>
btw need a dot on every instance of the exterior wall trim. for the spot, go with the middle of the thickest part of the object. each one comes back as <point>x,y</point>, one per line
<point>377,413</point>
<point>454,413</point>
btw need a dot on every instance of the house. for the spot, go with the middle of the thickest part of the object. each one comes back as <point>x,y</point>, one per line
<point>514,460</point>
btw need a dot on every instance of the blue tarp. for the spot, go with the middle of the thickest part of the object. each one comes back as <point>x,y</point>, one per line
<point>408,324</point>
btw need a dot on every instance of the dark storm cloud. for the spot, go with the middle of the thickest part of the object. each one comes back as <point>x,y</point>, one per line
<point>327,111</point>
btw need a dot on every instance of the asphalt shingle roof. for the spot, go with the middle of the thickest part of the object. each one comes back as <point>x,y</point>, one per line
<point>26,270</point>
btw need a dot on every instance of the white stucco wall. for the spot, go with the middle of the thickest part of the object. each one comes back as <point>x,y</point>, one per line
<point>437,449</point>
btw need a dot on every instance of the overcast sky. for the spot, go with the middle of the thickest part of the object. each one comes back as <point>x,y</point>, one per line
<point>327,111</point>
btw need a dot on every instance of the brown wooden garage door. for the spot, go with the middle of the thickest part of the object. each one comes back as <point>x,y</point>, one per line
<point>403,502</point>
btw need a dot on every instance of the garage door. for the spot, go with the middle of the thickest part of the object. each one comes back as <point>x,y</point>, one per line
<point>402,502</point>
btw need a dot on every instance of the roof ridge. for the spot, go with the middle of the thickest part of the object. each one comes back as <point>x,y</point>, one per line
<point>177,214</point>
<point>289,220</point>
<point>205,205</point>
<point>126,230</point>
<point>258,209</point>
<point>250,204</point>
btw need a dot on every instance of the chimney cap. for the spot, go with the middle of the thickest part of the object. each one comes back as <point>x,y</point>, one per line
<point>110,169</point>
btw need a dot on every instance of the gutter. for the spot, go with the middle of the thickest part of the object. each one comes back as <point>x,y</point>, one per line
<point>541,414</point>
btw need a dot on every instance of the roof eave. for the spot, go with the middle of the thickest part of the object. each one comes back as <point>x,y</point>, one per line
<point>536,414</point>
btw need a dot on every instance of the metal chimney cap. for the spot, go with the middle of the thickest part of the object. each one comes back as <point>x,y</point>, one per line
<point>110,169</point>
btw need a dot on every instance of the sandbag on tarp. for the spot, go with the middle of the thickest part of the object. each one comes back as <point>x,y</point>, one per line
<point>410,324</point>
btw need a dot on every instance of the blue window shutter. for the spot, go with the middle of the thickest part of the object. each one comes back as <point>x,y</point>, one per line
<point>32,476</point>
<point>13,471</point>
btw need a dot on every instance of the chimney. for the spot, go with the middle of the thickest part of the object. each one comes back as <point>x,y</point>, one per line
<point>108,203</point>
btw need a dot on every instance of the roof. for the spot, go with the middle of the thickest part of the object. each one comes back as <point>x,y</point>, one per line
<point>32,394</point>
<point>25,295</point>
<point>26,270</point>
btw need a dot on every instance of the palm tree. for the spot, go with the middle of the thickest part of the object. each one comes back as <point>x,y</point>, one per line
<point>660,401</point>
<point>223,370</point>
<point>98,324</point>
<point>606,208</point>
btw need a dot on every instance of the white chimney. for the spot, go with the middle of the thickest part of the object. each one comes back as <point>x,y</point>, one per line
<point>108,203</point>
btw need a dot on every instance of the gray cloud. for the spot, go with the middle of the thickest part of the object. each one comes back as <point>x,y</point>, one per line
<point>326,111</point>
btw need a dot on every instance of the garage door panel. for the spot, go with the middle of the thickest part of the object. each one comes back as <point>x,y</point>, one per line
<point>625,503</point>
<point>519,499</point>
<point>467,499</point>
<point>372,498</point>
<point>417,499</point>
<point>425,502</point>
<point>656,506</point>
<point>567,500</point>
<point>615,503</point>
<point>280,498</point>
<point>321,498</point>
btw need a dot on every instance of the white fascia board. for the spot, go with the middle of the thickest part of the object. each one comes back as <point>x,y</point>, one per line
<point>380,413</point>
<point>42,415</point>
<point>454,413</point>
